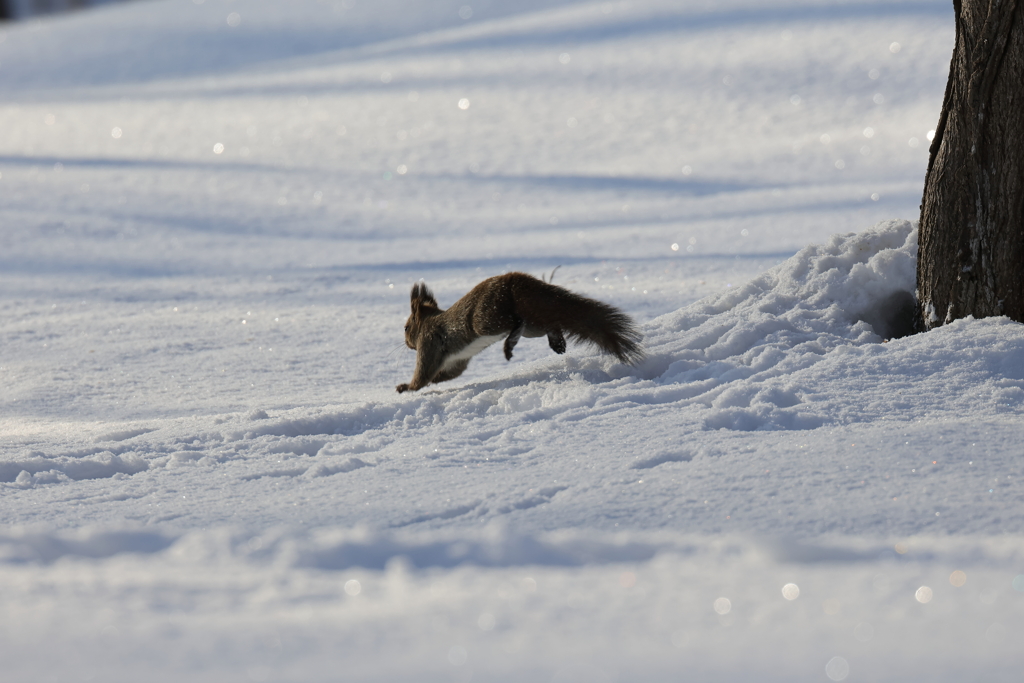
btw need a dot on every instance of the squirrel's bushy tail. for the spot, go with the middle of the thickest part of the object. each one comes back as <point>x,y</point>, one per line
<point>550,307</point>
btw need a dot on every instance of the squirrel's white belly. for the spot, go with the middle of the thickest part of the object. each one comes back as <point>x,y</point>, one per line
<point>471,349</point>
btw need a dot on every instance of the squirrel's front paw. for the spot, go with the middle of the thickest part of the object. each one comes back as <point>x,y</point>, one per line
<point>402,387</point>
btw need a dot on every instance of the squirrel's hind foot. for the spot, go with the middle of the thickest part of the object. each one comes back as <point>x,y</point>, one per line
<point>556,340</point>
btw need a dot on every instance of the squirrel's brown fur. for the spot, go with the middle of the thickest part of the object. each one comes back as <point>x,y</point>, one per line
<point>513,305</point>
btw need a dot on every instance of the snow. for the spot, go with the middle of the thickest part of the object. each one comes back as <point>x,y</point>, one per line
<point>212,216</point>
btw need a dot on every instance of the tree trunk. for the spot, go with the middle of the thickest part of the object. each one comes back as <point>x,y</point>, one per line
<point>971,257</point>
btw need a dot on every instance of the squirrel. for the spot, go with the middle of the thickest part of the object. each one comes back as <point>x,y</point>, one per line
<point>508,307</point>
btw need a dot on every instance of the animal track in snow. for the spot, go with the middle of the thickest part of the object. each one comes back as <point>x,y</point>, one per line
<point>539,498</point>
<point>534,498</point>
<point>661,459</point>
<point>449,513</point>
<point>124,435</point>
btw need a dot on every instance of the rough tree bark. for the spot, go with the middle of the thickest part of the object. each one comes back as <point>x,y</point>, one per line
<point>971,258</point>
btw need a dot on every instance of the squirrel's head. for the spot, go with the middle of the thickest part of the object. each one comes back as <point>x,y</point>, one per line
<point>424,306</point>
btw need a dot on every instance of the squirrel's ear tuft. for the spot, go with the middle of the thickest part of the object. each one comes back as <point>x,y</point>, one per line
<point>422,296</point>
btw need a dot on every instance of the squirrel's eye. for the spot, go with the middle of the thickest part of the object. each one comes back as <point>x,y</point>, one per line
<point>407,327</point>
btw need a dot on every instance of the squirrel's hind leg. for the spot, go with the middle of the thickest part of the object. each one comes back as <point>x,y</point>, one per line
<point>556,340</point>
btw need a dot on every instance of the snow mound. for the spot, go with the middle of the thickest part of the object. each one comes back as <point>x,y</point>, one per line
<point>737,352</point>
<point>836,293</point>
<point>790,348</point>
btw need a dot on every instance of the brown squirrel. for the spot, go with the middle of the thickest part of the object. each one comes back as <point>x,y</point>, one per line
<point>509,306</point>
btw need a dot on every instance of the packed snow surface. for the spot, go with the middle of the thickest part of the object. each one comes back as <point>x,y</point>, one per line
<point>213,212</point>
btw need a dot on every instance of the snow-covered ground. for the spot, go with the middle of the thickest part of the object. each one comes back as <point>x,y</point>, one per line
<point>212,213</point>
